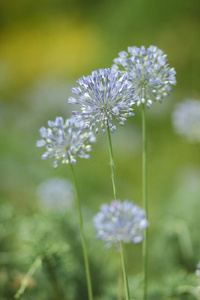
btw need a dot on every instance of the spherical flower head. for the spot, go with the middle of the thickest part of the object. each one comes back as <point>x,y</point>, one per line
<point>120,222</point>
<point>64,141</point>
<point>56,193</point>
<point>103,96</point>
<point>186,120</point>
<point>149,72</point>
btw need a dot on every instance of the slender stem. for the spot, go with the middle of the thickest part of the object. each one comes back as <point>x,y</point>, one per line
<point>85,255</point>
<point>33,268</point>
<point>112,165</point>
<point>115,197</point>
<point>124,272</point>
<point>145,203</point>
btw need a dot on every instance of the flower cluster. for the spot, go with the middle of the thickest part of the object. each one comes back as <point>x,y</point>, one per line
<point>120,221</point>
<point>64,141</point>
<point>149,72</point>
<point>102,96</point>
<point>186,120</point>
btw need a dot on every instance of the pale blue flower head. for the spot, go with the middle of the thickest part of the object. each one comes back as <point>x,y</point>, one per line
<point>186,120</point>
<point>56,193</point>
<point>103,96</point>
<point>64,141</point>
<point>149,72</point>
<point>120,222</point>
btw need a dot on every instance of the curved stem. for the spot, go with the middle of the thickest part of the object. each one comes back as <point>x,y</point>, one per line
<point>85,255</point>
<point>145,203</point>
<point>124,272</point>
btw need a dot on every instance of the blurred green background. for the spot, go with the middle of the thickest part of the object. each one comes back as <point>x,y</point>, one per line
<point>45,46</point>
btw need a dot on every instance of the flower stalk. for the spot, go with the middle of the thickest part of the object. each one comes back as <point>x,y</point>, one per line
<point>124,272</point>
<point>145,202</point>
<point>115,197</point>
<point>112,165</point>
<point>85,254</point>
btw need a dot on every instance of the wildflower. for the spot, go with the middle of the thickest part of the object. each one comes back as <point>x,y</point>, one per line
<point>104,95</point>
<point>120,221</point>
<point>66,140</point>
<point>186,120</point>
<point>56,193</point>
<point>149,72</point>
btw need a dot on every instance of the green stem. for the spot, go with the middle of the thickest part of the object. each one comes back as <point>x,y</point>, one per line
<point>112,165</point>
<point>85,255</point>
<point>33,268</point>
<point>145,203</point>
<point>115,197</point>
<point>124,272</point>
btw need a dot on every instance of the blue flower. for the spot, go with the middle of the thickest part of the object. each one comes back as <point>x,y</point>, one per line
<point>64,141</point>
<point>102,96</point>
<point>149,72</point>
<point>120,222</point>
<point>56,193</point>
<point>186,120</point>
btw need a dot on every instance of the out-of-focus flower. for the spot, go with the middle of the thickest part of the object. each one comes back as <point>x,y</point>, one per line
<point>120,222</point>
<point>102,96</point>
<point>40,97</point>
<point>56,193</point>
<point>198,273</point>
<point>64,141</point>
<point>148,71</point>
<point>186,119</point>
<point>198,269</point>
